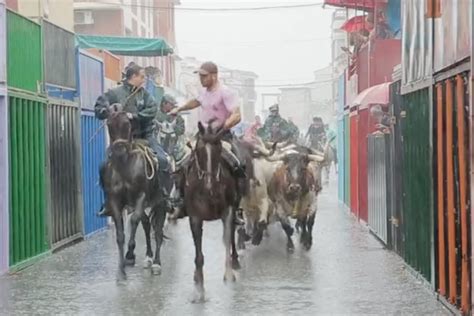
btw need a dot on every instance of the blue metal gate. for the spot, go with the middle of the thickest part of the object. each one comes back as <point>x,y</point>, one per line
<point>93,154</point>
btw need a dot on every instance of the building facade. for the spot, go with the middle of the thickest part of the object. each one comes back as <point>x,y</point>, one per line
<point>134,18</point>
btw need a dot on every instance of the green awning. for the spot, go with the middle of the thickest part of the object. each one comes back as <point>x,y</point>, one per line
<point>127,46</point>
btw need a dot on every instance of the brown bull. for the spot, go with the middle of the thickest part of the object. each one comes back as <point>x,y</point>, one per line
<point>293,191</point>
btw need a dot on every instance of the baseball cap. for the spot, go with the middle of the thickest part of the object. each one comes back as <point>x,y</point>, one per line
<point>169,99</point>
<point>207,68</point>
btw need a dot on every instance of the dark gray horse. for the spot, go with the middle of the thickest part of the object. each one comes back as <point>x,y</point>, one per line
<point>129,178</point>
<point>210,193</point>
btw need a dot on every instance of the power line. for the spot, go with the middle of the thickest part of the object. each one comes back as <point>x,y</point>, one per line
<point>237,9</point>
<point>279,41</point>
<point>283,85</point>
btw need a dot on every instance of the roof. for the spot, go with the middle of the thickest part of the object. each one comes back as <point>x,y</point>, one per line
<point>127,46</point>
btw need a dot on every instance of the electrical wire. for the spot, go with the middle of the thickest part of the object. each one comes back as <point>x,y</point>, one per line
<point>236,9</point>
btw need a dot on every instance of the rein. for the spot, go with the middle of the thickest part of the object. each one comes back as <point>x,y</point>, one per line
<point>145,152</point>
<point>202,172</point>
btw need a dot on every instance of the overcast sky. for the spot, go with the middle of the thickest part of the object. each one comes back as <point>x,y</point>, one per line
<point>282,46</point>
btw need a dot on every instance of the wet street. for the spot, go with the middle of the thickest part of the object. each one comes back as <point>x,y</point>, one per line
<point>346,272</point>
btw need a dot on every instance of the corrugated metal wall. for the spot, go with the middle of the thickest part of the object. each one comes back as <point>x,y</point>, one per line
<point>341,100</point>
<point>362,132</point>
<point>341,159</point>
<point>59,56</point>
<point>64,164</point>
<point>91,79</point>
<point>347,162</point>
<point>4,231</point>
<point>25,71</point>
<point>354,168</point>
<point>377,184</point>
<point>4,174</point>
<point>93,154</point>
<point>27,177</point>
<point>396,153</point>
<point>452,198</point>
<point>93,139</point>
<point>417,182</point>
<point>112,64</point>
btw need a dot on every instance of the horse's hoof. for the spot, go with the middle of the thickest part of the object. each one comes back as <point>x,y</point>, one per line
<point>229,277</point>
<point>257,238</point>
<point>130,262</point>
<point>290,249</point>
<point>307,244</point>
<point>199,298</point>
<point>156,269</point>
<point>236,264</point>
<point>121,276</point>
<point>147,263</point>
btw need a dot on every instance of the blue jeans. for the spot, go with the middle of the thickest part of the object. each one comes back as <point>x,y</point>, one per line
<point>160,153</point>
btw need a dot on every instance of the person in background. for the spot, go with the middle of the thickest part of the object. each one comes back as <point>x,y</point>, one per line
<point>250,134</point>
<point>294,131</point>
<point>174,122</point>
<point>275,129</point>
<point>316,133</point>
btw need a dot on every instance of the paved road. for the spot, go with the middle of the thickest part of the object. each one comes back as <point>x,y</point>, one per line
<point>346,272</point>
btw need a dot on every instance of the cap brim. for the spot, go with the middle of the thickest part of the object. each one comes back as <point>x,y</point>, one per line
<point>202,72</point>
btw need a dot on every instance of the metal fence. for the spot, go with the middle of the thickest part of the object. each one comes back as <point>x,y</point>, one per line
<point>451,142</point>
<point>27,177</point>
<point>417,182</point>
<point>4,174</point>
<point>59,56</point>
<point>93,154</point>
<point>25,70</point>
<point>378,184</point>
<point>64,168</point>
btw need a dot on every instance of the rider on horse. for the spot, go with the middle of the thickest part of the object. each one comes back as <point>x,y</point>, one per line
<point>294,131</point>
<point>170,126</point>
<point>219,105</point>
<point>275,129</point>
<point>316,133</point>
<point>141,109</point>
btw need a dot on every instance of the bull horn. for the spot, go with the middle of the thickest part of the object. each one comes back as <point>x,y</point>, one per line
<point>316,158</point>
<point>288,147</point>
<point>281,156</point>
<point>261,149</point>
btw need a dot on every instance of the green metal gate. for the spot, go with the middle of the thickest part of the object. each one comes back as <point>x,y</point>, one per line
<point>417,182</point>
<point>24,53</point>
<point>27,177</point>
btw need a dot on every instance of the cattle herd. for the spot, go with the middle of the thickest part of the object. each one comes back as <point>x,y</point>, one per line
<point>284,185</point>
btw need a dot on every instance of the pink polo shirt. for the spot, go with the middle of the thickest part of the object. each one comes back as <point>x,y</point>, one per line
<point>217,105</point>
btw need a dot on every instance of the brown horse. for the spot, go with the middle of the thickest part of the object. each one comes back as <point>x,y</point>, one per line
<point>210,193</point>
<point>129,178</point>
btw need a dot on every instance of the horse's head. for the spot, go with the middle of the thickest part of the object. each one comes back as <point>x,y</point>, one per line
<point>120,132</point>
<point>207,152</point>
<point>118,124</point>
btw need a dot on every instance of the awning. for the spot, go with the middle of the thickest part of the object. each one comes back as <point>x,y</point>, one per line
<point>378,94</point>
<point>127,46</point>
<point>366,5</point>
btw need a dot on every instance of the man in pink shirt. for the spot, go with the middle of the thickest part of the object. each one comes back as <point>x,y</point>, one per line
<point>220,105</point>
